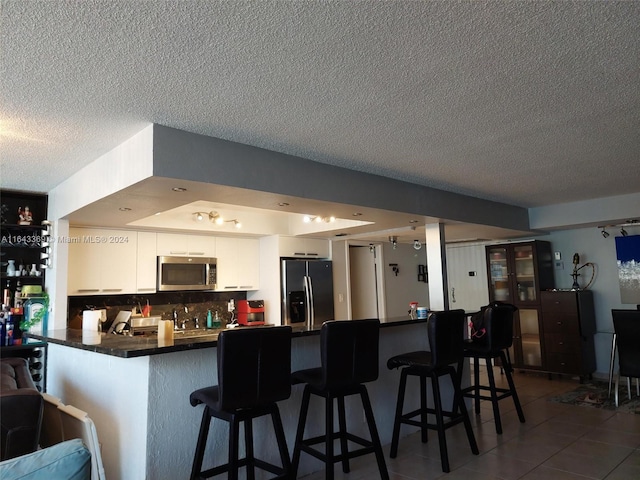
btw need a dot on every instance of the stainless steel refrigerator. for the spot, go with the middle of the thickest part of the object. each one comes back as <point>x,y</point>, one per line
<point>307,292</point>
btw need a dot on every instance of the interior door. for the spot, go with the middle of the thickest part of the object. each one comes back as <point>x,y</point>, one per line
<point>364,294</point>
<point>467,277</point>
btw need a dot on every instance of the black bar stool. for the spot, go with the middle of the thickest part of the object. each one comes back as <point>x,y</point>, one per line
<point>492,344</point>
<point>254,372</point>
<point>349,357</point>
<point>445,330</point>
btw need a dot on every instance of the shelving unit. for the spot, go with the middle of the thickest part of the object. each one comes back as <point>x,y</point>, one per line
<point>517,273</point>
<point>21,241</point>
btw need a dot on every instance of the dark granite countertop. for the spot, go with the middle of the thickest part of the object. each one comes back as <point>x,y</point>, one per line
<point>142,345</point>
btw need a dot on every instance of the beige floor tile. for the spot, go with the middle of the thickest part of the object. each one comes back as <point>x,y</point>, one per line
<point>557,442</point>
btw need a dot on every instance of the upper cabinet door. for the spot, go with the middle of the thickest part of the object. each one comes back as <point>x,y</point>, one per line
<point>147,265</point>
<point>102,261</point>
<point>186,245</point>
<point>238,263</point>
<point>304,247</point>
<point>498,274</point>
<point>517,272</point>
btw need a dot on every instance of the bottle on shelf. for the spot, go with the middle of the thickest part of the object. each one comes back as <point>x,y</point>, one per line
<point>17,302</point>
<point>11,268</point>
<point>6,296</point>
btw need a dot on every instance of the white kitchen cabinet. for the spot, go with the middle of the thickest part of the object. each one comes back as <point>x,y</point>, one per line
<point>238,263</point>
<point>146,268</point>
<point>102,261</point>
<point>183,245</point>
<point>304,247</point>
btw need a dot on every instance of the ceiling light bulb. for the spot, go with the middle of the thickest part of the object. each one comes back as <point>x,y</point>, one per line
<point>237,224</point>
<point>306,219</point>
<point>219,220</point>
<point>318,219</point>
<point>332,219</point>
<point>199,217</point>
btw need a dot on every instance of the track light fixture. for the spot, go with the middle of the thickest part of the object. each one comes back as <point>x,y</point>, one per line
<point>628,223</point>
<point>214,217</point>
<point>236,223</point>
<point>318,219</point>
<point>394,241</point>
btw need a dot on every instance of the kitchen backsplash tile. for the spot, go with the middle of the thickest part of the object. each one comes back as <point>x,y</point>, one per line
<point>162,304</point>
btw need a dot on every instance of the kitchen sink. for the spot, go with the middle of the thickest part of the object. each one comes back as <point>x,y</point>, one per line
<point>177,334</point>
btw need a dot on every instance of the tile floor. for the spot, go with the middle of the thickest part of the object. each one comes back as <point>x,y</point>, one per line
<point>562,442</point>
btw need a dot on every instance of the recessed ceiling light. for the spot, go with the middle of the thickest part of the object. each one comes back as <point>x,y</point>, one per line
<point>179,189</point>
<point>283,204</point>
<point>357,214</point>
<point>124,209</point>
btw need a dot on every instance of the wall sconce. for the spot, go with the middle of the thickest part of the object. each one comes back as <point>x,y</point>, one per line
<point>394,267</point>
<point>394,242</point>
<point>318,219</point>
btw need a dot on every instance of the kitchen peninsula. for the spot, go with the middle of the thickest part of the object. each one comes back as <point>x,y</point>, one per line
<point>136,391</point>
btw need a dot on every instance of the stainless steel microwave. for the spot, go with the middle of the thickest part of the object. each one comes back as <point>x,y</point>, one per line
<point>186,273</point>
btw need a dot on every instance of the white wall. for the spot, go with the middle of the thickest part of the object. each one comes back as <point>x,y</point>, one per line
<point>405,287</point>
<point>592,247</point>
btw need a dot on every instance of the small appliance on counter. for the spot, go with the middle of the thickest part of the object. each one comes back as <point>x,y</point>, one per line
<point>250,312</point>
<point>140,325</point>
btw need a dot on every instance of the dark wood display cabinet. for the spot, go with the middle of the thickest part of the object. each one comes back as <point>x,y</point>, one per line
<point>517,273</point>
<point>569,324</point>
<point>21,244</point>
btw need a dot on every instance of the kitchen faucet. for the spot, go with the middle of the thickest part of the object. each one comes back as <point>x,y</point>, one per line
<point>174,315</point>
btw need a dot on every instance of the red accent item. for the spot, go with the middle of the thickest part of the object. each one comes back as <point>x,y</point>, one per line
<point>250,312</point>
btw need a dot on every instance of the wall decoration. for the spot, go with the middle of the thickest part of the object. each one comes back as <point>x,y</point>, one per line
<point>628,256</point>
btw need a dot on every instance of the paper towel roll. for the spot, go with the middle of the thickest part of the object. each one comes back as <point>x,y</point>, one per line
<point>90,320</point>
<point>91,338</point>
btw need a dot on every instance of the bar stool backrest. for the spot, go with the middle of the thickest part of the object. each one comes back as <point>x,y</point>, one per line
<point>349,351</point>
<point>446,337</point>
<point>254,366</point>
<point>626,324</point>
<point>498,320</point>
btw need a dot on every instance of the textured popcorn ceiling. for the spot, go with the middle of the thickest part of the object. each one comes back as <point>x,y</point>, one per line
<point>528,103</point>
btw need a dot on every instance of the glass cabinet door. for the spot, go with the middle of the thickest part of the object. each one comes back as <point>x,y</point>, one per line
<point>526,288</point>
<point>499,274</point>
<point>529,338</point>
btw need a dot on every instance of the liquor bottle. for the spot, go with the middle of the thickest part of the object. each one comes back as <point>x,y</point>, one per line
<point>17,302</point>
<point>6,296</point>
